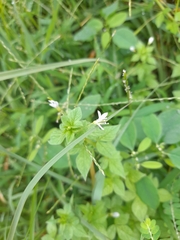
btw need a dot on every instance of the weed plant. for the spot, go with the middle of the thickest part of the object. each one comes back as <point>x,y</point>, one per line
<point>89,120</point>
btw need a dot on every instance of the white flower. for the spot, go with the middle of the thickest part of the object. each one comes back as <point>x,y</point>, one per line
<point>115,214</point>
<point>150,40</point>
<point>102,118</point>
<point>123,72</point>
<point>53,103</point>
<point>132,49</point>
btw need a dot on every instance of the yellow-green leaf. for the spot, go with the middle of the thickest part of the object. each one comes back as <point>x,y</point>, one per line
<point>151,165</point>
<point>144,144</point>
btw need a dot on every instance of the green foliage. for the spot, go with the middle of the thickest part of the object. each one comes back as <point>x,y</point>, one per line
<point>150,230</point>
<point>147,192</point>
<point>115,176</point>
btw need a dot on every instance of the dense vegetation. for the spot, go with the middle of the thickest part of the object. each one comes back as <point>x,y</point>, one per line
<point>90,120</point>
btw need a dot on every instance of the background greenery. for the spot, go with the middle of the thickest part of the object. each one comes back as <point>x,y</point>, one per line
<point>74,52</point>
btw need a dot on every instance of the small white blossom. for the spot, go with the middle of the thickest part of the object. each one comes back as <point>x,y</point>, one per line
<point>102,118</point>
<point>132,49</point>
<point>124,72</point>
<point>53,103</point>
<point>150,40</point>
<point>115,214</point>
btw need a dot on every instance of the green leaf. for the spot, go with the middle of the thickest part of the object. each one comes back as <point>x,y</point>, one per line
<point>89,30</point>
<point>164,195</point>
<point>83,162</point>
<point>139,209</point>
<point>135,175</point>
<point>116,20</point>
<point>39,124</point>
<point>176,72</point>
<point>108,134</point>
<point>128,138</point>
<point>85,34</point>
<point>47,237</point>
<point>73,115</point>
<point>125,38</point>
<point>147,192</point>
<point>159,19</point>
<point>118,186</point>
<point>126,233</point>
<point>111,231</point>
<point>144,144</point>
<point>107,149</point>
<point>51,227</point>
<point>156,107</point>
<point>109,9</point>
<point>98,187</point>
<point>69,136</point>
<point>116,167</point>
<point>152,127</point>
<point>105,39</point>
<point>33,154</point>
<point>176,93</point>
<point>51,151</point>
<point>170,126</point>
<point>79,231</point>
<point>122,220</point>
<point>128,196</point>
<point>151,165</point>
<point>177,16</point>
<point>95,23</point>
<point>47,135</point>
<point>57,137</point>
<point>89,104</point>
<point>108,186</point>
<point>175,157</point>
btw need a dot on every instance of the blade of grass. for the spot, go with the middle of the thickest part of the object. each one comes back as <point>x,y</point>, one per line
<point>26,71</point>
<point>33,213</point>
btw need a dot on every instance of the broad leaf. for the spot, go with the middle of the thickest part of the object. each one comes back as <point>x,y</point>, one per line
<point>139,209</point>
<point>152,127</point>
<point>144,144</point>
<point>105,39</point>
<point>107,149</point>
<point>126,233</point>
<point>83,162</point>
<point>147,192</point>
<point>109,9</point>
<point>164,195</point>
<point>89,30</point>
<point>151,165</point>
<point>116,20</point>
<point>175,157</point>
<point>176,72</point>
<point>128,139</point>
<point>57,137</point>
<point>108,134</point>
<point>89,104</point>
<point>125,38</point>
<point>118,186</point>
<point>116,167</point>
<point>170,126</point>
<point>73,115</point>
